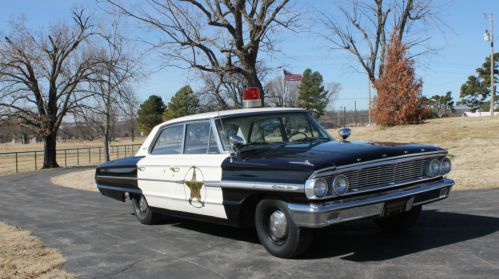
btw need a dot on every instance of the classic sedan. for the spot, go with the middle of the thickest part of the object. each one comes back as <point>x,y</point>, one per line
<point>276,169</point>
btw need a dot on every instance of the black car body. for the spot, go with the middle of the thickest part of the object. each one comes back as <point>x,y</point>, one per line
<point>276,169</point>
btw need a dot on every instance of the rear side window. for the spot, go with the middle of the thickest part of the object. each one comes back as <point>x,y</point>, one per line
<point>169,141</point>
<point>197,136</point>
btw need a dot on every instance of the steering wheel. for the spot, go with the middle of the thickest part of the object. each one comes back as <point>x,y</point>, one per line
<point>297,133</point>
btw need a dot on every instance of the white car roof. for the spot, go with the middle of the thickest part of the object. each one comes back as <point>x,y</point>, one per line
<point>208,115</point>
<point>214,114</point>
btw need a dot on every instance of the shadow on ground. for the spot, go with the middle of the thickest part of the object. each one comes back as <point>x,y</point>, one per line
<point>362,241</point>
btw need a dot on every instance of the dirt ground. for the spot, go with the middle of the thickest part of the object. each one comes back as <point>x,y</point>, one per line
<point>473,145</point>
<point>83,180</point>
<point>23,255</point>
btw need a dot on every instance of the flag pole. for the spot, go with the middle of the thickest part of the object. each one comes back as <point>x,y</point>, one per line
<point>283,87</point>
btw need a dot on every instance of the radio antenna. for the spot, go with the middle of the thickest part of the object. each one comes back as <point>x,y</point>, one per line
<point>223,130</point>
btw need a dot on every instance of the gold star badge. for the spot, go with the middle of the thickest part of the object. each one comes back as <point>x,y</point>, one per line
<point>195,187</point>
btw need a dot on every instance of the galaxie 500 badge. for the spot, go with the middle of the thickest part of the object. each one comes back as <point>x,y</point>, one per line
<point>194,181</point>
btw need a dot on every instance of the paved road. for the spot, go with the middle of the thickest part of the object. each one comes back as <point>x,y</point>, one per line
<point>457,238</point>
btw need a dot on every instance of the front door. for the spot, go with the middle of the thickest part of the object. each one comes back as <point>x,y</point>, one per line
<point>183,170</point>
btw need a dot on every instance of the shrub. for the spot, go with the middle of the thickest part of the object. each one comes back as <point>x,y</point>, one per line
<point>398,99</point>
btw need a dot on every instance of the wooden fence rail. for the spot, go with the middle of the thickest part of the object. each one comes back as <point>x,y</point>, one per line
<point>24,161</point>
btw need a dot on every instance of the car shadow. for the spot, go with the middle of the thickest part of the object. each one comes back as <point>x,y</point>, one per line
<point>363,241</point>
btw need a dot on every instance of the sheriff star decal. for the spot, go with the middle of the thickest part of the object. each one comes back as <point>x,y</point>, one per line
<point>194,181</point>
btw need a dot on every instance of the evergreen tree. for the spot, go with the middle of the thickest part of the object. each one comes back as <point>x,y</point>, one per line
<point>185,102</point>
<point>312,96</point>
<point>149,114</point>
<point>398,99</point>
<point>475,92</point>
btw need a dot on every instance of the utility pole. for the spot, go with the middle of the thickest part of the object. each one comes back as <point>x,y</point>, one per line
<point>490,37</point>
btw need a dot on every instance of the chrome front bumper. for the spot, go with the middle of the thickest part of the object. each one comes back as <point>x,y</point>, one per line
<point>316,215</point>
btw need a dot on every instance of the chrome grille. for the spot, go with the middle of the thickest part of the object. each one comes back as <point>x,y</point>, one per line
<point>386,174</point>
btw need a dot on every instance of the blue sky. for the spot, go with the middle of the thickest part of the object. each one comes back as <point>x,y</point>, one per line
<point>459,43</point>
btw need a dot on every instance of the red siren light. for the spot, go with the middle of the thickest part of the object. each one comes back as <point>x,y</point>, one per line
<point>252,97</point>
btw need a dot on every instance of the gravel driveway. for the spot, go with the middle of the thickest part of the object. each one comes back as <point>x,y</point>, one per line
<point>456,238</point>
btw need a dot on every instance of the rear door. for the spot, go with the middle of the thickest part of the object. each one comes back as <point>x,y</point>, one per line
<point>156,173</point>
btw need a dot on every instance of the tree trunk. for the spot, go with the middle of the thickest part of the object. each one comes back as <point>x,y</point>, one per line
<point>132,127</point>
<point>106,135</point>
<point>106,146</point>
<point>50,151</point>
<point>253,81</point>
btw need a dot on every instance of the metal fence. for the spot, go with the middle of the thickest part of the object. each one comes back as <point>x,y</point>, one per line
<point>24,161</point>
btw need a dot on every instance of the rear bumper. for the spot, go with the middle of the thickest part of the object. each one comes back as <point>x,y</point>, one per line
<point>325,214</point>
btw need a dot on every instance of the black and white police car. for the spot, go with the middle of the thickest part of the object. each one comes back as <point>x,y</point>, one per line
<point>276,169</point>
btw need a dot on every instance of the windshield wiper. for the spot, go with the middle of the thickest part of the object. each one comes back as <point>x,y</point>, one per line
<point>256,145</point>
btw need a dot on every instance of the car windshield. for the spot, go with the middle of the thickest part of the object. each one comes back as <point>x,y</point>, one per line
<point>265,129</point>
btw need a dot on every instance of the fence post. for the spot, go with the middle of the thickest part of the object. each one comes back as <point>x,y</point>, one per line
<point>125,149</point>
<point>17,166</point>
<point>89,155</point>
<point>118,152</point>
<point>65,159</point>
<point>77,156</point>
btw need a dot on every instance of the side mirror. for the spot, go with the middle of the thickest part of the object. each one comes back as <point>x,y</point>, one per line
<point>236,141</point>
<point>345,133</point>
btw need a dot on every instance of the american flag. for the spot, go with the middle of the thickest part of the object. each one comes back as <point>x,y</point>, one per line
<point>291,77</point>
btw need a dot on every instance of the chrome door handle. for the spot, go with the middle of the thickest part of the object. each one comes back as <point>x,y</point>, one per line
<point>175,169</point>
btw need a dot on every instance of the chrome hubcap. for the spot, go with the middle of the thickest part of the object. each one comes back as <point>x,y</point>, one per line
<point>142,205</point>
<point>278,225</point>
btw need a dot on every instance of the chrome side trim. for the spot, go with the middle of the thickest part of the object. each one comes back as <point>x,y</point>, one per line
<point>332,170</point>
<point>117,177</point>
<point>267,186</point>
<point>122,189</point>
<point>316,215</point>
<point>207,183</point>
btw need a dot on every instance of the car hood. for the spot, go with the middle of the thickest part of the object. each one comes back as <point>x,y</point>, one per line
<point>326,154</point>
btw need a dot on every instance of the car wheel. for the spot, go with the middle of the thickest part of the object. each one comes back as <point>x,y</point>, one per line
<point>400,222</point>
<point>143,212</point>
<point>277,232</point>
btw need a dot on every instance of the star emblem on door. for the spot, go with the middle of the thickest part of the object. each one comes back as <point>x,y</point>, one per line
<point>195,185</point>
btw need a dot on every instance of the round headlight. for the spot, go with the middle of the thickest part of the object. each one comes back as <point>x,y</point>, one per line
<point>340,184</point>
<point>445,166</point>
<point>320,187</point>
<point>434,168</point>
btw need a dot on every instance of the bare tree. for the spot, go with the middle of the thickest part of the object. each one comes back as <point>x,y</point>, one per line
<point>221,91</point>
<point>223,37</point>
<point>41,74</point>
<point>368,22</point>
<point>334,88</point>
<point>110,82</point>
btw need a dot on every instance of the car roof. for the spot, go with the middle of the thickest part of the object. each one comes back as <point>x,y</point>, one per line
<point>222,113</point>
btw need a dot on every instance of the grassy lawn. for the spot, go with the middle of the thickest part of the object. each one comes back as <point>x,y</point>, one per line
<point>473,145</point>
<point>23,255</point>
